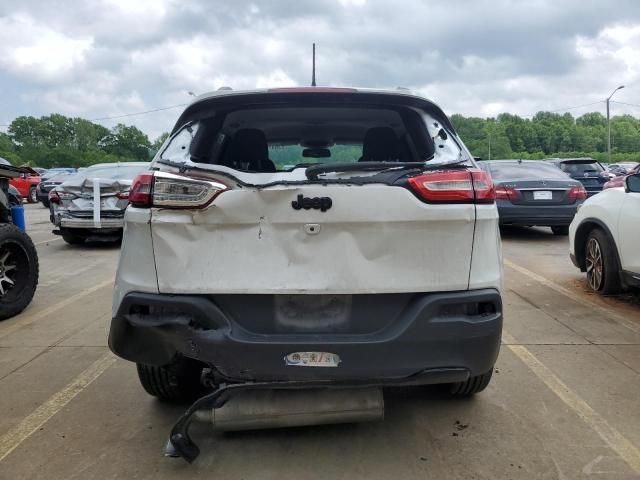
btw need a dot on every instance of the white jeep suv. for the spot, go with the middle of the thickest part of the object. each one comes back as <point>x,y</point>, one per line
<point>305,237</point>
<point>604,238</point>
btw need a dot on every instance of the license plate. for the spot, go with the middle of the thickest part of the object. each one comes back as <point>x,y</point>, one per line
<point>312,359</point>
<point>543,195</point>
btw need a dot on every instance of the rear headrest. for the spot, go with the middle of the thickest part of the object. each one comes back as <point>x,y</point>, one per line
<point>380,144</point>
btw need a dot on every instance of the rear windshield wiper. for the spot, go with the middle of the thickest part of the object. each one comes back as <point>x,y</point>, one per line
<point>314,171</point>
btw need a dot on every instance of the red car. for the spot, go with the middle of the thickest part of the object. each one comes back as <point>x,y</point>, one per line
<point>26,184</point>
<point>619,180</point>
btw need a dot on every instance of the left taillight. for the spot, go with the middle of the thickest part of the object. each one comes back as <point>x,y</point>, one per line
<point>454,186</point>
<point>168,190</point>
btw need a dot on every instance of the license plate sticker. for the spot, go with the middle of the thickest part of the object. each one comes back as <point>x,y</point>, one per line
<point>312,359</point>
<point>543,195</point>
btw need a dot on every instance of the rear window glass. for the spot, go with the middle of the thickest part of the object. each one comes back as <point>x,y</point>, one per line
<point>581,168</point>
<point>525,171</point>
<point>271,139</point>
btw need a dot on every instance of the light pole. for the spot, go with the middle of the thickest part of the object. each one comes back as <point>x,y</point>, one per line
<point>609,124</point>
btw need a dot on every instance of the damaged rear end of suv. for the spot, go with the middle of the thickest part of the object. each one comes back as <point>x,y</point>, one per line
<point>323,240</point>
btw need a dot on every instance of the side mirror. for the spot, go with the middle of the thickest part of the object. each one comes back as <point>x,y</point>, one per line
<point>632,183</point>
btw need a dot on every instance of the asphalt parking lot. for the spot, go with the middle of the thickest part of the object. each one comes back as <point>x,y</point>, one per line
<point>564,402</point>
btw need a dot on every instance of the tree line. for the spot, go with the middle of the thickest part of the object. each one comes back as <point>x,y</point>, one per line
<point>549,134</point>
<point>56,140</point>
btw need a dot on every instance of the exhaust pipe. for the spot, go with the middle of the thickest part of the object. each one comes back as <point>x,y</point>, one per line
<point>259,409</point>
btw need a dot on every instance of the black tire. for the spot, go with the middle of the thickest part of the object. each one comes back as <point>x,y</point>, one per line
<point>177,382</point>
<point>471,386</point>
<point>18,270</point>
<point>603,274</point>
<point>45,203</point>
<point>32,197</point>
<point>562,231</point>
<point>73,238</point>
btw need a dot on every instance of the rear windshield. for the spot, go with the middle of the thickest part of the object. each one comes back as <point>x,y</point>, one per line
<point>581,168</point>
<point>524,171</point>
<point>270,139</point>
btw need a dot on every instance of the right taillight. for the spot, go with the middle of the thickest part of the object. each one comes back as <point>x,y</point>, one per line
<point>454,186</point>
<point>168,190</point>
<point>577,193</point>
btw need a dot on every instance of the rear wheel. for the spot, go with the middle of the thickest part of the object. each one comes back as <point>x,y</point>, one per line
<point>561,230</point>
<point>471,386</point>
<point>33,196</point>
<point>602,268</point>
<point>18,270</point>
<point>176,382</point>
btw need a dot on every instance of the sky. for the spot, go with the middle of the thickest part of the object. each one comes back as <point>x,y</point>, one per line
<point>105,58</point>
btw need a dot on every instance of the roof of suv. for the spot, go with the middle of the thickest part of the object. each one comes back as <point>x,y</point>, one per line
<point>195,109</point>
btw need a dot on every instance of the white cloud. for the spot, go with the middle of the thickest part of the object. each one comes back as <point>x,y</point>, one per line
<point>31,49</point>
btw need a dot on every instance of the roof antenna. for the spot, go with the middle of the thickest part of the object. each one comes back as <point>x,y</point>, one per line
<point>313,68</point>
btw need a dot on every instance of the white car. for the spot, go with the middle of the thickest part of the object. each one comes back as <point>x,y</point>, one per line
<point>309,237</point>
<point>604,238</point>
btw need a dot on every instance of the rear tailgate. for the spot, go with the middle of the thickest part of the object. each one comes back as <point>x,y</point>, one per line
<point>373,239</point>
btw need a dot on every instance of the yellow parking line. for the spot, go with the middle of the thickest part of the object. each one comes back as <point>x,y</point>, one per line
<point>25,320</point>
<point>574,296</point>
<point>618,442</point>
<point>55,239</point>
<point>41,415</point>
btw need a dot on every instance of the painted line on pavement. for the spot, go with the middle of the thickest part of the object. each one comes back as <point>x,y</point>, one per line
<point>24,321</point>
<point>612,437</point>
<point>574,296</point>
<point>41,415</point>
<point>55,239</point>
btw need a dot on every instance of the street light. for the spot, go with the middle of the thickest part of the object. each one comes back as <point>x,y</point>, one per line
<point>609,123</point>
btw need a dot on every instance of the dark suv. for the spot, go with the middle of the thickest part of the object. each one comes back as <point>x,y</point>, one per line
<point>588,171</point>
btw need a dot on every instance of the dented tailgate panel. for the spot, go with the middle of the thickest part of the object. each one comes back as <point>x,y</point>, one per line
<point>372,239</point>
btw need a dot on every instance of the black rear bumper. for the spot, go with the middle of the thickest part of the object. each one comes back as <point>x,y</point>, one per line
<point>435,338</point>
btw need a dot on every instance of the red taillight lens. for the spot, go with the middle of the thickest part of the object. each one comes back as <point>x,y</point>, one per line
<point>505,193</point>
<point>577,193</point>
<point>53,197</point>
<point>140,192</point>
<point>161,189</point>
<point>454,186</point>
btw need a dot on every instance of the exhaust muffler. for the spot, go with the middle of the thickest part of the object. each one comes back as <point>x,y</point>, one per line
<point>259,409</point>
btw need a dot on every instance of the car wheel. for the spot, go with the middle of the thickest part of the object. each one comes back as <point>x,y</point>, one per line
<point>33,196</point>
<point>45,203</point>
<point>471,386</point>
<point>18,270</point>
<point>561,230</point>
<point>177,382</point>
<point>73,238</point>
<point>602,270</point>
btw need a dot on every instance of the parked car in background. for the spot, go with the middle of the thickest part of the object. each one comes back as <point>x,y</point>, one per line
<point>57,170</point>
<point>375,259</point>
<point>619,180</point>
<point>588,171</point>
<point>48,183</point>
<point>534,193</point>
<point>622,168</point>
<point>604,238</point>
<point>27,184</point>
<point>18,256</point>
<point>93,202</point>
